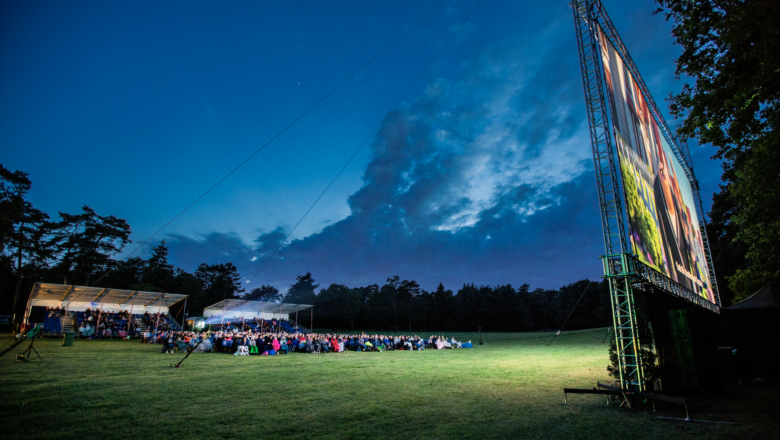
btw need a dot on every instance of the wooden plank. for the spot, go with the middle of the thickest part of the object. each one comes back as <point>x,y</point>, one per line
<point>66,293</point>
<point>99,294</point>
<point>153,300</point>
<point>590,391</point>
<point>609,387</point>
<point>656,397</point>
<point>128,297</point>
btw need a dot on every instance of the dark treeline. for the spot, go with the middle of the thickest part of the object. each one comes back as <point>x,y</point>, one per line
<point>404,306</point>
<point>79,249</point>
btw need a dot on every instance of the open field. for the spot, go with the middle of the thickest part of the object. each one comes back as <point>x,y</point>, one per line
<point>509,388</point>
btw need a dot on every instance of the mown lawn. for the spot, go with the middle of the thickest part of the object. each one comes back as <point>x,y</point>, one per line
<point>511,387</point>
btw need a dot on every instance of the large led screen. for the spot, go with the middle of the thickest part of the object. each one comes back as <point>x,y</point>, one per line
<point>664,225</point>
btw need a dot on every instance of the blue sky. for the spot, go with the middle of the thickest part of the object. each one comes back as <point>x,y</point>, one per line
<point>483,174</point>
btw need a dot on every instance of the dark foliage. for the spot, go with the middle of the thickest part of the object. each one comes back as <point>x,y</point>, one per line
<point>496,309</point>
<point>729,49</point>
<point>264,293</point>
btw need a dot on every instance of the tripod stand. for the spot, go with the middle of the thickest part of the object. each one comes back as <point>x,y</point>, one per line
<point>25,357</point>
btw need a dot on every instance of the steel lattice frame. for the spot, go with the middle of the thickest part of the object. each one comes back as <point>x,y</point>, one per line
<point>599,15</point>
<point>622,269</point>
<point>702,227</point>
<point>612,220</point>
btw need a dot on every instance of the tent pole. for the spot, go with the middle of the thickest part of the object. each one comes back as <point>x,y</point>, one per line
<point>157,323</point>
<point>130,318</point>
<point>27,310</point>
<point>75,322</point>
<point>100,316</point>
<point>184,315</point>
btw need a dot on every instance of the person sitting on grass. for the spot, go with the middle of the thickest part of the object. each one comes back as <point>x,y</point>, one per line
<point>323,345</point>
<point>309,345</point>
<point>335,344</point>
<point>168,344</point>
<point>261,345</point>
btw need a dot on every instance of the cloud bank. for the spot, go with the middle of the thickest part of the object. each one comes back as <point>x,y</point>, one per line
<point>486,179</point>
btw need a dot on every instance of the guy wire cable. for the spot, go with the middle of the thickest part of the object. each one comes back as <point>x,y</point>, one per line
<point>572,311</point>
<point>262,147</point>
<point>366,141</point>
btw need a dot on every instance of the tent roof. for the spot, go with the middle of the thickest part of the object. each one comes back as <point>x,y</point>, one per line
<point>71,293</point>
<point>241,305</point>
<point>768,296</point>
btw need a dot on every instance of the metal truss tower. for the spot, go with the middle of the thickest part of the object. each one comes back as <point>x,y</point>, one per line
<point>623,270</point>
<point>617,260</point>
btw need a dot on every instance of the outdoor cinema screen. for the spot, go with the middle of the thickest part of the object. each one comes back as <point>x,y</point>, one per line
<point>664,226</point>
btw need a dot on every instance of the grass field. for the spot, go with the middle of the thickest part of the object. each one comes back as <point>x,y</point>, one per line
<point>511,387</point>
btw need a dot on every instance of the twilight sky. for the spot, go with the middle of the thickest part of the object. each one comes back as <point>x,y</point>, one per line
<point>483,174</point>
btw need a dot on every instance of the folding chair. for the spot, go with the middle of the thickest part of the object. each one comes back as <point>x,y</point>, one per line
<point>181,346</point>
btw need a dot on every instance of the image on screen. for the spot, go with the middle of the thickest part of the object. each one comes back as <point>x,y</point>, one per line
<point>664,226</point>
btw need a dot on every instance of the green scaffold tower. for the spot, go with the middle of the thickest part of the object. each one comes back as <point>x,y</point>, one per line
<point>623,270</point>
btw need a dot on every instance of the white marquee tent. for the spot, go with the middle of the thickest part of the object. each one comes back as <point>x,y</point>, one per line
<point>78,298</point>
<point>230,309</point>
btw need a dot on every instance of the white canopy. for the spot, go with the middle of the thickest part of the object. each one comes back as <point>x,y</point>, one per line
<point>77,298</point>
<point>239,308</point>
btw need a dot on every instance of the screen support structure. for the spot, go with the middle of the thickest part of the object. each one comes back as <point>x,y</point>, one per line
<point>599,17</point>
<point>616,261</point>
<point>702,225</point>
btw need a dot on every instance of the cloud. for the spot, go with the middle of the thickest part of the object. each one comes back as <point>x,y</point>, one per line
<point>484,179</point>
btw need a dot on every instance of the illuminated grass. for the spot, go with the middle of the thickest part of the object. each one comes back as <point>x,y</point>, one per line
<point>509,388</point>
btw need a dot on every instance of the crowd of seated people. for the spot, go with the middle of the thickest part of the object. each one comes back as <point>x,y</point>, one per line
<point>256,325</point>
<point>238,341</point>
<point>106,324</point>
<point>158,321</point>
